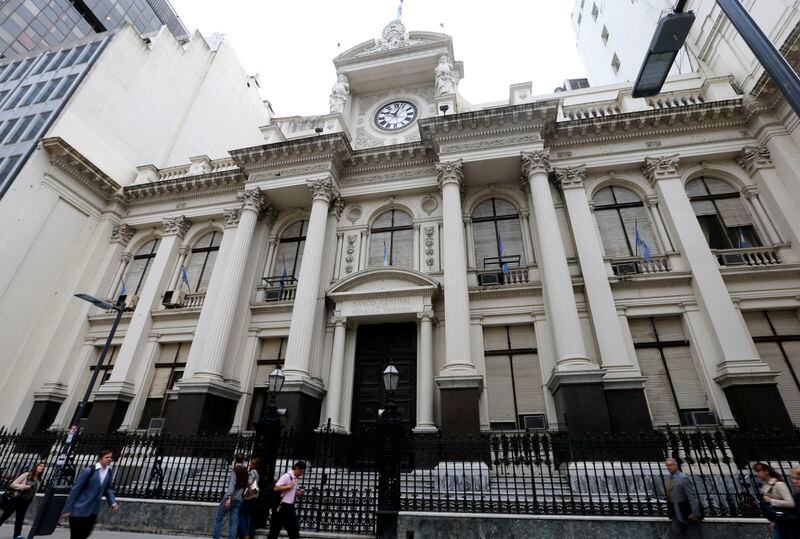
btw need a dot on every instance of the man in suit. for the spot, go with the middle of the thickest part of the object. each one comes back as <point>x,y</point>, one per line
<point>83,502</point>
<point>683,504</point>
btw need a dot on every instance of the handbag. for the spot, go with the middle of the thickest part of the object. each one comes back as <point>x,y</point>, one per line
<point>777,514</point>
<point>252,491</point>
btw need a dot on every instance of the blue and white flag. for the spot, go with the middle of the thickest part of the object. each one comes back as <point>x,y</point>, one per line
<point>124,290</point>
<point>502,255</point>
<point>282,282</point>
<point>742,242</point>
<point>385,255</point>
<point>185,278</point>
<point>641,244</point>
<point>400,11</point>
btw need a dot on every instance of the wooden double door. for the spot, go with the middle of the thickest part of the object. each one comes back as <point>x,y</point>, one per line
<point>376,346</point>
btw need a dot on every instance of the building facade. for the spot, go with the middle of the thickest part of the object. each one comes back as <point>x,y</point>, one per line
<point>583,261</point>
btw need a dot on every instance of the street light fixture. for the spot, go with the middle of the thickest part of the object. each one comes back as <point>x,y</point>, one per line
<point>391,377</point>
<point>80,413</point>
<point>275,381</point>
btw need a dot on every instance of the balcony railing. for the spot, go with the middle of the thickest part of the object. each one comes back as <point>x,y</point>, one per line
<point>748,256</point>
<point>640,266</point>
<point>278,288</point>
<point>502,270</point>
<point>193,300</point>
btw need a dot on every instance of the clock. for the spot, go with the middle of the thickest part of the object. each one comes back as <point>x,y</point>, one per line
<point>395,115</point>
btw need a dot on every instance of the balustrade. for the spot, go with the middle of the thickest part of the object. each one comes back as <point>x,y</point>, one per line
<point>748,256</point>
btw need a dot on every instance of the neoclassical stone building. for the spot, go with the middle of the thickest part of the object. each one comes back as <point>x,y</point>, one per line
<point>580,261</point>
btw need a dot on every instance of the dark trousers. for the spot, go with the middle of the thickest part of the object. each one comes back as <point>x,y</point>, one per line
<point>284,517</point>
<point>81,527</point>
<point>20,507</point>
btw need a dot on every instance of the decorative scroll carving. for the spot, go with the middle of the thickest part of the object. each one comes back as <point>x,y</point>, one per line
<point>570,177</point>
<point>176,225</point>
<point>754,158</point>
<point>253,199</point>
<point>450,172</point>
<point>231,217</point>
<point>122,234</point>
<point>664,166</point>
<point>323,190</point>
<point>533,163</point>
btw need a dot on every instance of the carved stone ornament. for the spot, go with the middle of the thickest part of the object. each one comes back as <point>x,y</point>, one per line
<point>351,249</point>
<point>428,230</point>
<point>570,177</point>
<point>665,166</point>
<point>339,94</point>
<point>253,199</point>
<point>450,172</point>
<point>533,163</point>
<point>337,207</point>
<point>754,158</point>
<point>231,217</point>
<point>176,225</point>
<point>122,234</point>
<point>323,190</point>
<point>126,257</point>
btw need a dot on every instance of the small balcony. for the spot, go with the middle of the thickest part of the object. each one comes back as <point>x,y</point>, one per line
<point>179,299</point>
<point>748,256</point>
<point>277,288</point>
<point>624,267</point>
<point>502,271</point>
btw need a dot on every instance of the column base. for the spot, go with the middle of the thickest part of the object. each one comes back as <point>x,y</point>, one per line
<point>581,401</point>
<point>41,416</point>
<point>459,396</point>
<point>106,415</point>
<point>627,406</point>
<point>758,407</point>
<point>199,413</point>
<point>303,403</point>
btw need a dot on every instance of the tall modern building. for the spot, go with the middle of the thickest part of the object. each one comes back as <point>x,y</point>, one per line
<point>27,25</point>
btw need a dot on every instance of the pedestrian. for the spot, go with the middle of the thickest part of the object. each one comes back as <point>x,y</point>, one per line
<point>83,502</point>
<point>20,495</point>
<point>284,516</point>
<point>231,501</point>
<point>778,505</point>
<point>793,528</point>
<point>683,505</point>
<point>250,499</point>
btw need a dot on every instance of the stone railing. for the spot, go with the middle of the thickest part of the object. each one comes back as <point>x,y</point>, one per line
<point>676,99</point>
<point>193,300</point>
<point>596,110</point>
<point>639,266</point>
<point>500,278</point>
<point>748,256</point>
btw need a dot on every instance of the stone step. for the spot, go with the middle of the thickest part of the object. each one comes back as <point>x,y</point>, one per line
<point>262,534</point>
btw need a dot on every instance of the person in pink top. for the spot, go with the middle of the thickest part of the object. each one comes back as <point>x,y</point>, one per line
<point>288,486</point>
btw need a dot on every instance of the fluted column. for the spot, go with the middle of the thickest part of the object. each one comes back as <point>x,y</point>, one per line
<point>415,262</point>
<point>122,235</point>
<point>458,358</point>
<point>757,162</point>
<point>557,283</point>
<point>524,218</point>
<point>175,281</point>
<point>471,264</point>
<point>425,415</point>
<point>298,349</point>
<point>213,361</point>
<point>336,376</point>
<point>664,242</point>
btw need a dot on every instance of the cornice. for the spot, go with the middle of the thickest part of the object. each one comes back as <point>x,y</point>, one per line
<point>652,281</point>
<point>505,291</point>
<point>228,181</point>
<point>334,146</point>
<point>71,161</point>
<point>760,273</point>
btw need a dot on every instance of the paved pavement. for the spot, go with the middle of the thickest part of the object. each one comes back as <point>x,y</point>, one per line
<point>63,533</point>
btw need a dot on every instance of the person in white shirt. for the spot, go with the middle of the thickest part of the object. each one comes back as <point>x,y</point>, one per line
<point>83,502</point>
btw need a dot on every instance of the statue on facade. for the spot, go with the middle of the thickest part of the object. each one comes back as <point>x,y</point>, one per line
<point>340,93</point>
<point>445,77</point>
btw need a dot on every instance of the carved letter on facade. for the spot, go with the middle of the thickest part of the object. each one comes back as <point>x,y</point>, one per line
<point>532,163</point>
<point>754,158</point>
<point>450,172</point>
<point>665,166</point>
<point>323,189</point>
<point>570,177</point>
<point>176,225</point>
<point>122,234</point>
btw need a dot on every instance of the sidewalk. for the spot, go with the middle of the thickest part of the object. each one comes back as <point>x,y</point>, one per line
<point>63,533</point>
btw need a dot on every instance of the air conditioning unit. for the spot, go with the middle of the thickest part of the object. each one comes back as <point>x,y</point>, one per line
<point>732,260</point>
<point>273,294</point>
<point>627,268</point>
<point>130,301</point>
<point>173,298</point>
<point>156,424</point>
<point>534,422</point>
<point>489,279</point>
<point>704,418</point>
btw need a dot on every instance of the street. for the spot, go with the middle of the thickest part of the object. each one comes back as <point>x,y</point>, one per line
<point>63,533</point>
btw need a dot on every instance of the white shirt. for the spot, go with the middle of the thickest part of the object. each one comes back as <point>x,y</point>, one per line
<point>103,472</point>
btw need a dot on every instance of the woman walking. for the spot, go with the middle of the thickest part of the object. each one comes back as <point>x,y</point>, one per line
<point>232,499</point>
<point>250,499</point>
<point>777,498</point>
<point>21,493</point>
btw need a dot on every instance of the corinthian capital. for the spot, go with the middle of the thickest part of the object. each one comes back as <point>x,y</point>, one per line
<point>533,162</point>
<point>176,225</point>
<point>253,199</point>
<point>323,190</point>
<point>122,234</point>
<point>664,166</point>
<point>570,177</point>
<point>754,158</point>
<point>450,172</point>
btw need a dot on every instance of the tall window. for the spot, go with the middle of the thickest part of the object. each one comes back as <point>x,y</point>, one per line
<point>168,371</point>
<point>201,262</point>
<point>497,233</point>
<point>721,214</point>
<point>391,239</point>
<point>514,386</point>
<point>271,355</point>
<point>673,387</point>
<point>140,266</point>
<point>777,338</point>
<point>619,212</point>
<point>290,250</point>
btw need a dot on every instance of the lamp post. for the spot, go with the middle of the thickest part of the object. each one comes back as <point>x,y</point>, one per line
<point>48,507</point>
<point>268,435</point>
<point>390,429</point>
<point>670,36</point>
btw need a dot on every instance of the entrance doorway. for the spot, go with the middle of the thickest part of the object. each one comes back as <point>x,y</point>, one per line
<point>376,345</point>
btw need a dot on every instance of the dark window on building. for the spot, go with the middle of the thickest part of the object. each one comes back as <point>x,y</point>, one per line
<point>22,127</point>
<point>497,233</point>
<point>272,354</point>
<point>618,212</point>
<point>64,87</point>
<point>140,266</point>
<point>14,101</point>
<point>721,214</point>
<point>201,262</point>
<point>168,371</point>
<point>290,250</point>
<point>391,240</point>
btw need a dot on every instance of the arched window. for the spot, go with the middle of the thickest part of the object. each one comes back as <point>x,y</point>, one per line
<point>290,250</point>
<point>201,261</point>
<point>721,214</point>
<point>497,233</point>
<point>619,212</point>
<point>140,266</point>
<point>391,240</point>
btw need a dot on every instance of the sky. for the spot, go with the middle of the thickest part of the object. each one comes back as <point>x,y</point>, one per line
<point>291,43</point>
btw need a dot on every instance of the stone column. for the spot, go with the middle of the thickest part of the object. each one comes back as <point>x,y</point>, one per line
<point>576,381</point>
<point>415,247</point>
<point>757,162</point>
<point>471,263</point>
<point>176,281</point>
<point>622,381</point>
<point>301,394</point>
<point>524,219</point>
<point>664,241</point>
<point>337,264</point>
<point>336,376</point>
<point>112,398</point>
<point>425,416</point>
<point>362,250</point>
<point>739,370</point>
<point>120,234</point>
<point>459,383</point>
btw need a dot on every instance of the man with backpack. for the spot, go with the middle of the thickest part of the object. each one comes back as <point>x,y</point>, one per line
<point>284,515</point>
<point>83,502</point>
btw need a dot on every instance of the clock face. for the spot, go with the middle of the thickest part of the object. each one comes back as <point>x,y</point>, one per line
<point>395,115</point>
